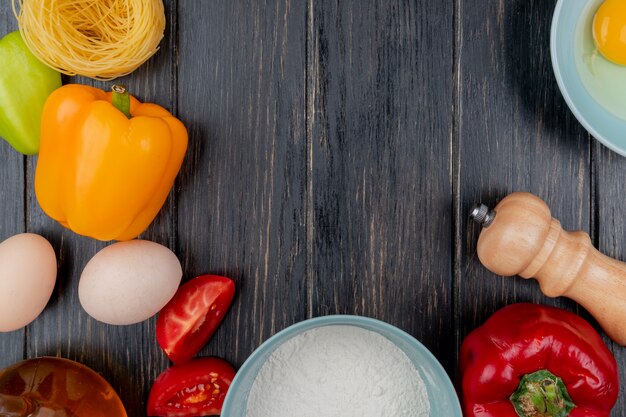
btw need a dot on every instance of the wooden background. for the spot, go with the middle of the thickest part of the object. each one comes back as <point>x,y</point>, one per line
<point>335,150</point>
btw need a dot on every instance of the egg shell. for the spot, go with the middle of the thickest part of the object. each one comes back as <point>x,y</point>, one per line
<point>129,282</point>
<point>28,271</point>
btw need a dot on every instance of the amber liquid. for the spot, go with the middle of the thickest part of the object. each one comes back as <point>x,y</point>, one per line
<point>54,387</point>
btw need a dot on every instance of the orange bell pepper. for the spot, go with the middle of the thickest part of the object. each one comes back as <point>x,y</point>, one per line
<point>106,162</point>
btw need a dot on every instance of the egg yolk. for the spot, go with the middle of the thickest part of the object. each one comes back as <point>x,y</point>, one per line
<point>609,30</point>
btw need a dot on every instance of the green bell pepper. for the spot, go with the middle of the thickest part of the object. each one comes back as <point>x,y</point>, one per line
<point>25,84</point>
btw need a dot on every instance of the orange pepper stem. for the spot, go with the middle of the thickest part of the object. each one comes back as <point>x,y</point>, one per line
<point>121,99</point>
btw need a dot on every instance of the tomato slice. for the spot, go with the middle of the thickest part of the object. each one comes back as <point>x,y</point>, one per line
<point>195,388</point>
<point>189,320</point>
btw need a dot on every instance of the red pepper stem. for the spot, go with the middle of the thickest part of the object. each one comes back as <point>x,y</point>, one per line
<point>542,394</point>
<point>121,99</point>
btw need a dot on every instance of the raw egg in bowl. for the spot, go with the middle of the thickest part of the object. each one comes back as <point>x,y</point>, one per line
<point>588,42</point>
<point>609,30</point>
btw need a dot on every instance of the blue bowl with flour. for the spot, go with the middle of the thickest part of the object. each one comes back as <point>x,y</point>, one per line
<point>440,391</point>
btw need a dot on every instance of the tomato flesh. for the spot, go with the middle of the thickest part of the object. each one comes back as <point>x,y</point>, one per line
<point>196,395</point>
<point>191,317</point>
<point>199,394</point>
<point>196,388</point>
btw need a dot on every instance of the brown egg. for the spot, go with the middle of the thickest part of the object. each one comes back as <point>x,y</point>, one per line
<point>28,270</point>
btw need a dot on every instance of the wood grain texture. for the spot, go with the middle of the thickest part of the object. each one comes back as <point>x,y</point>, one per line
<point>380,117</point>
<point>335,150</point>
<point>127,356</point>
<point>241,201</point>
<point>515,133</point>
<point>610,181</point>
<point>11,208</point>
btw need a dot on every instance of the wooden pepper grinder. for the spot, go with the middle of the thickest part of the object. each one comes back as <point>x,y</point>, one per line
<point>520,237</point>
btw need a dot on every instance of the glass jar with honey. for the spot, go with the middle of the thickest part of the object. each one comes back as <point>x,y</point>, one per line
<point>55,387</point>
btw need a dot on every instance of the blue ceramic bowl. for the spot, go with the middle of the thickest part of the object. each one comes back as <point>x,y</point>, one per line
<point>599,122</point>
<point>441,393</point>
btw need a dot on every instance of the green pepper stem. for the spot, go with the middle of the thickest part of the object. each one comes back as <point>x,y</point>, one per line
<point>542,394</point>
<point>121,99</point>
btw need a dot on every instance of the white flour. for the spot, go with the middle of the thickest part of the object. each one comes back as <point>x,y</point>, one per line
<point>338,371</point>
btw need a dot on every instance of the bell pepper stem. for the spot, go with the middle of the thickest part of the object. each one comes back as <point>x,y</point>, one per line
<point>121,99</point>
<point>542,394</point>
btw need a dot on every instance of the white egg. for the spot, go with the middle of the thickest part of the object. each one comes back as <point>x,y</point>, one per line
<point>28,271</point>
<point>129,282</point>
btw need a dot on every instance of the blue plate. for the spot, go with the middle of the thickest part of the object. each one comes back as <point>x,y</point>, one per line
<point>441,393</point>
<point>599,122</point>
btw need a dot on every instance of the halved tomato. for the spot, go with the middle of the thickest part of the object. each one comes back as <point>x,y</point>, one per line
<point>194,388</point>
<point>189,320</point>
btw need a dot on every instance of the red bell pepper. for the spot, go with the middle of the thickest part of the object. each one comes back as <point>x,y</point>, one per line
<point>536,361</point>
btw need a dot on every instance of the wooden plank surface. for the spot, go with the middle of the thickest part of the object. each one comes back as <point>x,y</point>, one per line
<point>241,85</point>
<point>380,117</point>
<point>335,150</point>
<point>610,232</point>
<point>11,210</point>
<point>515,133</point>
